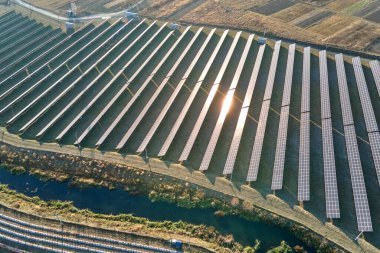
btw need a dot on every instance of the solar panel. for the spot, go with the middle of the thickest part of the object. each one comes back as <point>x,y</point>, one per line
<point>279,161</point>
<point>232,153</point>
<point>122,90</point>
<point>42,55</point>
<point>324,86</point>
<point>305,100</point>
<point>304,159</point>
<point>376,73</point>
<point>43,66</point>
<point>140,90</point>
<point>194,133</point>
<point>164,83</point>
<point>8,18</point>
<point>8,24</point>
<point>331,187</point>
<point>258,145</point>
<point>253,78</point>
<point>374,140</point>
<point>343,91</point>
<point>114,62</point>
<point>11,29</point>
<point>9,44</point>
<point>34,101</point>
<point>229,165</point>
<point>27,55</point>
<point>288,76</point>
<point>37,36</point>
<point>369,115</point>
<point>169,103</point>
<point>363,214</point>
<point>225,108</point>
<point>260,133</point>
<point>191,98</point>
<point>272,71</point>
<point>104,89</point>
<point>15,44</point>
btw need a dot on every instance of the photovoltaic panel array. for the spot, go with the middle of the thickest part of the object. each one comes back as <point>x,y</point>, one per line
<point>123,89</point>
<point>369,114</point>
<point>82,79</point>
<point>324,86</point>
<point>43,56</point>
<point>191,98</point>
<point>363,214</point>
<point>329,169</point>
<point>169,103</point>
<point>46,64</point>
<point>272,71</point>
<point>72,85</point>
<point>234,147</point>
<point>164,83</point>
<point>194,133</point>
<point>343,91</point>
<point>374,140</point>
<point>305,99</point>
<point>119,117</point>
<point>111,82</point>
<point>279,161</point>
<point>259,140</point>
<point>254,163</point>
<point>227,103</point>
<point>45,78</point>
<point>356,171</point>
<point>304,149</point>
<point>375,68</point>
<point>99,76</point>
<point>331,186</point>
<point>289,76</point>
<point>304,159</point>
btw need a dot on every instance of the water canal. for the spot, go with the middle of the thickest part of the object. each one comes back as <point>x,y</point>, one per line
<point>102,200</point>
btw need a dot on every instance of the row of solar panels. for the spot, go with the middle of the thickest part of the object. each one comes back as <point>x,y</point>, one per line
<point>99,44</point>
<point>83,240</point>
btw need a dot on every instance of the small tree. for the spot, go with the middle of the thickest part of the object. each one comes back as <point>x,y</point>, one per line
<point>253,249</point>
<point>283,248</point>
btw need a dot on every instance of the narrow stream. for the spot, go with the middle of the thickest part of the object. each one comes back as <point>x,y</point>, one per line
<point>102,200</point>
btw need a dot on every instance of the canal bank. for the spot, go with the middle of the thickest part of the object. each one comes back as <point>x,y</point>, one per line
<point>111,166</point>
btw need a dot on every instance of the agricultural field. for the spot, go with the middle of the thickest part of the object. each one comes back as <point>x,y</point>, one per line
<point>301,20</point>
<point>288,119</point>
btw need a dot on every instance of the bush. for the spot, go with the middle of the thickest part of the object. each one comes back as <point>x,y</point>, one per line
<point>283,248</point>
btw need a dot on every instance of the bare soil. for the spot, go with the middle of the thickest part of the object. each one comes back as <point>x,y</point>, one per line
<point>314,19</point>
<point>293,12</point>
<point>273,6</point>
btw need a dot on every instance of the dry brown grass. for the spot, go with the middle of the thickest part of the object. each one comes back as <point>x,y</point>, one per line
<point>293,12</point>
<point>306,16</point>
<point>339,5</point>
<point>215,14</point>
<point>332,25</point>
<point>241,4</point>
<point>165,8</point>
<point>356,36</point>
